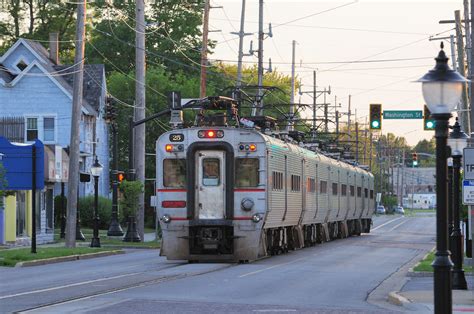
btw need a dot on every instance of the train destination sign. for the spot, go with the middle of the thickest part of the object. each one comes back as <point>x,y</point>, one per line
<point>468,161</point>
<point>402,114</point>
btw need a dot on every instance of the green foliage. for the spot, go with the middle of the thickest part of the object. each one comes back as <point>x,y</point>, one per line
<point>389,202</point>
<point>12,256</point>
<point>86,211</point>
<point>130,193</point>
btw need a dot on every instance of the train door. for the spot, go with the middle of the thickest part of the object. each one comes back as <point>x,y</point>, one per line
<point>210,193</point>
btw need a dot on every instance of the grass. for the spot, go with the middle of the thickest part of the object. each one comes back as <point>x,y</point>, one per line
<point>413,212</point>
<point>111,242</point>
<point>12,256</point>
<point>425,265</point>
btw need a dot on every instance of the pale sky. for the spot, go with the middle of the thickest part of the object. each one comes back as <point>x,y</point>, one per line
<point>359,31</point>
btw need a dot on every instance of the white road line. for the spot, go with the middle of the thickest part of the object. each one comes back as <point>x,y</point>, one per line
<point>373,229</point>
<point>398,225</point>
<point>271,267</point>
<point>64,286</point>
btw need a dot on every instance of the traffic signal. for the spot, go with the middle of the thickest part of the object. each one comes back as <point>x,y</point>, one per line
<point>414,157</point>
<point>375,117</point>
<point>428,121</point>
<point>120,176</point>
<point>110,110</point>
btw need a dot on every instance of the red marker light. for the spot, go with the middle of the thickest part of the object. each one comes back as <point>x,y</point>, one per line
<point>173,204</point>
<point>211,134</point>
<point>253,147</point>
<point>169,147</point>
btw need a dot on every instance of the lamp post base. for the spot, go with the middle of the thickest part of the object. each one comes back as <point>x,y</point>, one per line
<point>95,242</point>
<point>115,230</point>
<point>459,280</point>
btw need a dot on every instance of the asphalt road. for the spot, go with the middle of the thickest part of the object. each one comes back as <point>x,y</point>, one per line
<point>351,275</point>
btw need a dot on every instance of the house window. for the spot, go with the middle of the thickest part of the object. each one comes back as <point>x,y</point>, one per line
<point>295,183</point>
<point>31,129</point>
<point>21,65</point>
<point>48,124</point>
<point>277,178</point>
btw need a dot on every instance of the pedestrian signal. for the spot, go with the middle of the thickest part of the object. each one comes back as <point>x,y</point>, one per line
<point>428,121</point>
<point>375,117</point>
<point>120,176</point>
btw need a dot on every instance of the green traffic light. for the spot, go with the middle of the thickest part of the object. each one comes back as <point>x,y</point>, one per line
<point>429,124</point>
<point>375,124</point>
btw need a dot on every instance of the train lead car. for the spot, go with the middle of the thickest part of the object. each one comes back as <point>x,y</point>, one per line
<point>238,194</point>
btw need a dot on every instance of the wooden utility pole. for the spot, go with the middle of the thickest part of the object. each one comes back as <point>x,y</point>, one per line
<point>75,123</point>
<point>205,33</point>
<point>290,126</point>
<point>464,113</point>
<point>139,113</point>
<point>357,141</point>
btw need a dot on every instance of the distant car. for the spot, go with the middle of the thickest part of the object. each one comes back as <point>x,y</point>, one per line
<point>399,210</point>
<point>380,210</point>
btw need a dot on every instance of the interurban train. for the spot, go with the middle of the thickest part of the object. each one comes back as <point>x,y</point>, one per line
<point>238,194</point>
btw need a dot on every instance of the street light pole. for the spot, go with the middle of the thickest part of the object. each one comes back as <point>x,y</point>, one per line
<point>96,170</point>
<point>442,89</point>
<point>457,141</point>
<point>115,230</point>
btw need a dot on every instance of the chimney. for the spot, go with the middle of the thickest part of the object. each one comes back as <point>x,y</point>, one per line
<point>54,47</point>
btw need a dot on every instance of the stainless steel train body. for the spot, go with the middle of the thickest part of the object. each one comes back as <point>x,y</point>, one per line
<point>237,194</point>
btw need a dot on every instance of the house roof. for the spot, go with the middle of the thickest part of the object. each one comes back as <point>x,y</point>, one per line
<point>63,74</point>
<point>92,84</point>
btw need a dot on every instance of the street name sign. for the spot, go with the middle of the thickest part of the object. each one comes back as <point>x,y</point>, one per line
<point>468,192</point>
<point>468,161</point>
<point>402,114</point>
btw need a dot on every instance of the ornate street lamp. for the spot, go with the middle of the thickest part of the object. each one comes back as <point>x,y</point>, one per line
<point>442,89</point>
<point>457,141</point>
<point>96,171</point>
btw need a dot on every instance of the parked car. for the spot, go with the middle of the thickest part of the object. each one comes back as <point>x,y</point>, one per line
<point>380,210</point>
<point>399,210</point>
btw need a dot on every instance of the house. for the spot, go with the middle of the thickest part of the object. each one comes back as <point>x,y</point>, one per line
<point>36,103</point>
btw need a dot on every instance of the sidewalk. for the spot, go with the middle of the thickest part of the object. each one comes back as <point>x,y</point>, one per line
<point>417,294</point>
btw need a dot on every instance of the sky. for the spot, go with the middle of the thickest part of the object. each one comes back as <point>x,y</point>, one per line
<point>331,34</point>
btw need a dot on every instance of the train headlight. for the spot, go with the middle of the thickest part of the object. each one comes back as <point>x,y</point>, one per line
<point>256,218</point>
<point>166,219</point>
<point>247,204</point>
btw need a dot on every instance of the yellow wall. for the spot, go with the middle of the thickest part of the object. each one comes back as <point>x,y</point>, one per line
<point>10,219</point>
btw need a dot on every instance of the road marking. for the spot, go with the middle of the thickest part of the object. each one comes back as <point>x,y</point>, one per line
<point>276,310</point>
<point>271,267</point>
<point>65,286</point>
<point>398,225</point>
<point>373,229</point>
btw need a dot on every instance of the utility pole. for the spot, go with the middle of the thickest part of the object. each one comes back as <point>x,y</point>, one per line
<point>357,141</point>
<point>258,109</point>
<point>398,178</point>
<point>75,121</point>
<point>290,126</point>
<point>468,37</point>
<point>314,106</point>
<point>453,52</point>
<point>140,103</point>
<point>241,34</point>
<point>349,118</point>
<point>337,126</point>
<point>403,178</point>
<point>205,32</point>
<point>370,154</point>
<point>464,113</point>
<point>471,69</point>
<point>326,127</point>
<point>365,143</point>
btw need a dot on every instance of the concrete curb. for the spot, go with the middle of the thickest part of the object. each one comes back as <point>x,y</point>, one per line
<point>396,299</point>
<point>67,258</point>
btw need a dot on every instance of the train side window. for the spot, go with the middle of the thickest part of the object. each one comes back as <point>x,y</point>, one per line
<point>371,194</point>
<point>334,189</point>
<point>366,193</point>
<point>323,187</point>
<point>311,185</point>
<point>343,189</point>
<point>174,173</point>
<point>359,191</point>
<point>352,190</point>
<point>277,179</point>
<point>295,183</point>
<point>211,171</point>
<point>246,172</point>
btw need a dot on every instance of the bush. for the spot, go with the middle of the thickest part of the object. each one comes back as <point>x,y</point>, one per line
<point>129,200</point>
<point>86,209</point>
